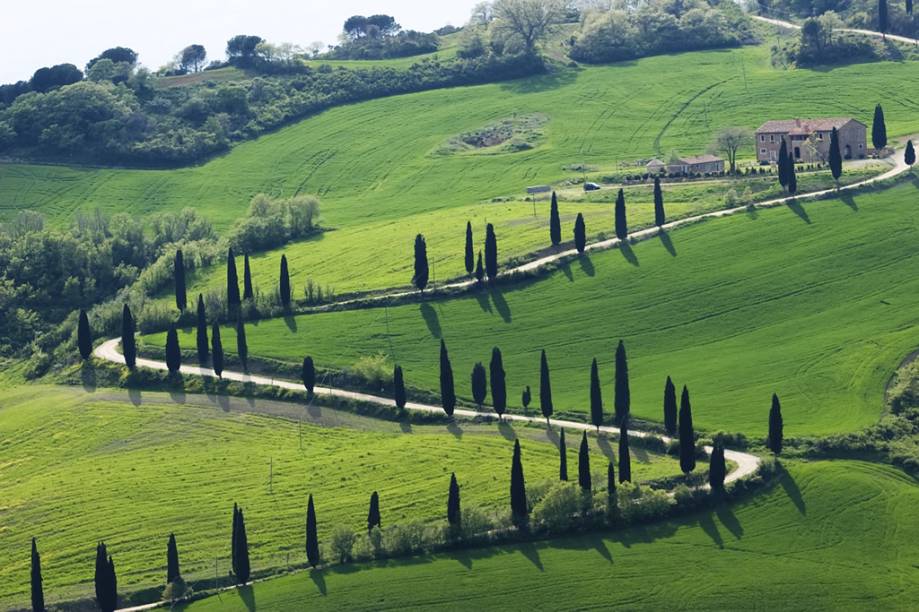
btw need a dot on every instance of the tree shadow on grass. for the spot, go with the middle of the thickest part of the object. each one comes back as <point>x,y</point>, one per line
<point>626,249</point>
<point>587,266</point>
<point>729,520</point>
<point>405,426</point>
<point>529,550</point>
<point>849,200</point>
<point>793,492</point>
<point>88,376</point>
<point>552,436</point>
<point>606,448</point>
<point>667,242</point>
<point>454,428</point>
<point>247,594</point>
<point>291,322</point>
<point>546,82</point>
<point>565,267</point>
<point>432,320</point>
<point>135,395</point>
<point>464,558</point>
<point>795,207</point>
<point>500,304</point>
<point>707,523</point>
<point>319,580</point>
<point>484,303</point>
<point>507,431</point>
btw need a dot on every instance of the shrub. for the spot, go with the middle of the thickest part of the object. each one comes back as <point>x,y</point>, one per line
<point>341,543</point>
<point>637,505</point>
<point>375,369</point>
<point>559,507</point>
<point>177,589</point>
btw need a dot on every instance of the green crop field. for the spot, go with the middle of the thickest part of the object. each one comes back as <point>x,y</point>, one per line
<point>817,303</point>
<point>80,467</point>
<point>830,536</point>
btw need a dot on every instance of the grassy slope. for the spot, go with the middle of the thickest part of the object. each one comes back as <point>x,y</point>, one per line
<point>817,304</point>
<point>835,536</point>
<point>76,468</point>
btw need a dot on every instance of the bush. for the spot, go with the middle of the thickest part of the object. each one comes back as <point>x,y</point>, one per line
<point>176,590</point>
<point>375,369</point>
<point>559,507</point>
<point>270,223</point>
<point>341,544</point>
<point>637,505</point>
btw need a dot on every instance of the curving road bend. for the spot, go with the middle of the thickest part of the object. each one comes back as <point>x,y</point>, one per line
<point>787,24</point>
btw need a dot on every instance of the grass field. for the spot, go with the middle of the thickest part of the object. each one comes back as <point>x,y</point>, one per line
<point>76,468</point>
<point>832,535</point>
<point>816,303</point>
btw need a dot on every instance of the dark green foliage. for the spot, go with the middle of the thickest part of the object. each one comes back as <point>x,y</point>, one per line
<point>240,559</point>
<point>308,375</point>
<point>201,333</point>
<point>498,382</point>
<point>782,164</point>
<point>284,283</point>
<point>233,300</point>
<point>84,336</point>
<point>562,457</point>
<point>622,228</point>
<point>398,383</point>
<point>792,177</point>
<point>776,427</point>
<point>687,435</point>
<point>173,350</point>
<point>216,351</point>
<point>447,390</point>
<point>38,592</point>
<point>660,218</point>
<point>373,515</point>
<point>879,126</point>
<point>835,158</point>
<point>52,77</point>
<point>625,457</point>
<point>420,278</point>
<point>596,396</point>
<point>242,346</point>
<point>470,252</point>
<point>248,292</point>
<point>491,252</point>
<point>555,223</point>
<point>584,464</point>
<point>479,270</point>
<point>479,384</point>
<point>670,408</point>
<point>580,234</point>
<point>105,580</point>
<point>611,484</point>
<point>882,27</point>
<point>172,560</point>
<point>909,156</point>
<point>623,399</point>
<point>128,342</point>
<point>717,469</point>
<point>454,512</point>
<point>178,271</point>
<point>520,512</point>
<point>526,397</point>
<point>312,535</point>
<point>545,388</point>
<point>909,10</point>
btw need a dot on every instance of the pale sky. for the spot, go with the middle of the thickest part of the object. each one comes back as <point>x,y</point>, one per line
<point>36,33</point>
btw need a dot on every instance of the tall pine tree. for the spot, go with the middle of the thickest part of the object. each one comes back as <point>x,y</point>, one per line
<point>498,382</point>
<point>555,223</point>
<point>178,271</point>
<point>879,126</point>
<point>312,535</point>
<point>584,464</point>
<point>454,512</point>
<point>596,397</point>
<point>248,292</point>
<point>38,592</point>
<point>172,560</point>
<point>580,234</point>
<point>201,338</point>
<point>373,515</point>
<point>687,435</point>
<point>670,408</point>
<point>308,375</point>
<point>659,217</point>
<point>520,512</point>
<point>717,469</point>
<point>776,427</point>
<point>470,252</point>
<point>84,336</point>
<point>909,156</point>
<point>622,228</point>
<point>625,457</point>
<point>173,350</point>
<point>284,283</point>
<point>835,157</point>
<point>491,252</point>
<point>233,300</point>
<point>420,278</point>
<point>545,388</point>
<point>216,351</point>
<point>623,398</point>
<point>398,383</point>
<point>562,457</point>
<point>447,389</point>
<point>479,384</point>
<point>242,345</point>
<point>128,342</point>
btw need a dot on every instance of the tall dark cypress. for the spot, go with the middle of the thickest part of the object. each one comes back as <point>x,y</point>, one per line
<point>470,253</point>
<point>284,283</point>
<point>717,469</point>
<point>173,350</point>
<point>580,234</point>
<point>596,396</point>
<point>128,343</point>
<point>611,500</point>
<point>447,389</point>
<point>525,397</point>
<point>792,176</point>
<point>623,398</point>
<point>178,272</point>
<point>520,512</point>
<point>625,457</point>
<point>776,426</point>
<point>909,7</point>
<point>882,27</point>
<point>584,464</point>
<point>420,278</point>
<point>216,351</point>
<point>201,333</point>
<point>562,457</point>
<point>622,228</point>
<point>687,435</point>
<point>835,157</point>
<point>112,603</point>
<point>670,407</point>
<point>479,384</point>
<point>545,388</point>
<point>479,270</point>
<point>782,164</point>
<point>233,300</point>
<point>308,375</point>
<point>498,382</point>
<point>84,336</point>
<point>660,218</point>
<point>373,515</point>
<point>909,156</point>
<point>312,535</point>
<point>491,252</point>
<point>555,223</point>
<point>105,580</point>
<point>248,292</point>
<point>242,570</point>
<point>879,126</point>
<point>398,383</point>
<point>172,560</point>
<point>38,592</point>
<point>242,345</point>
<point>454,512</point>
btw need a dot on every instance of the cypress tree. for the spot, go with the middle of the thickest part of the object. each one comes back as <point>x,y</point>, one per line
<point>173,350</point>
<point>782,164</point>
<point>479,384</point>
<point>84,336</point>
<point>284,283</point>
<point>398,383</point>
<point>776,433</point>
<point>447,390</point>
<point>792,177</point>
<point>623,398</point>
<point>584,464</point>
<point>909,7</point>
<point>420,279</point>
<point>248,293</point>
<point>611,500</point>
<point>670,409</point>
<point>308,375</point>
<point>687,435</point>
<point>232,282</point>
<point>179,275</point>
<point>622,229</point>
<point>216,351</point>
<point>242,569</point>
<point>580,234</point>
<point>520,512</point>
<point>879,126</point>
<point>112,603</point>
<point>491,252</point>
<point>201,333</point>
<point>909,156</point>
<point>470,254</point>
<point>242,346</point>
<point>562,457</point>
<point>454,512</point>
<point>555,223</point>
<point>312,537</point>
<point>717,469</point>
<point>625,457</point>
<point>498,382</point>
<point>373,515</point>
<point>479,270</point>
<point>128,343</point>
<point>835,157</point>
<point>105,580</point>
<point>545,388</point>
<point>38,592</point>
<point>659,217</point>
<point>526,397</point>
<point>596,397</point>
<point>172,560</point>
<point>882,28</point>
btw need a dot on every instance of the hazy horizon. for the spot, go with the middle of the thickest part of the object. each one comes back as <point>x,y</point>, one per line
<point>46,32</point>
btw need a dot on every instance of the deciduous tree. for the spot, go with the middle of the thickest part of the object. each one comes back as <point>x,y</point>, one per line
<point>584,464</point>
<point>447,389</point>
<point>528,20</point>
<point>498,382</point>
<point>420,278</point>
<point>192,58</point>
<point>545,388</point>
<point>596,396</point>
<point>729,141</point>
<point>776,427</point>
<point>555,223</point>
<point>84,336</point>
<point>687,435</point>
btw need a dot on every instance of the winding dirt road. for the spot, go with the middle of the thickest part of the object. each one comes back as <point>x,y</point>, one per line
<point>787,24</point>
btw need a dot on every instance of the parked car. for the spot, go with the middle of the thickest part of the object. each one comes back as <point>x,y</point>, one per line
<point>591,187</point>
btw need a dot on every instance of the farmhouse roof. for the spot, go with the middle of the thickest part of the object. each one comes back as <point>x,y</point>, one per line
<point>804,126</point>
<point>701,159</point>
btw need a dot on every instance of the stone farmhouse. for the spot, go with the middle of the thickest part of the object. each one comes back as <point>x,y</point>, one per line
<point>808,140</point>
<point>700,164</point>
